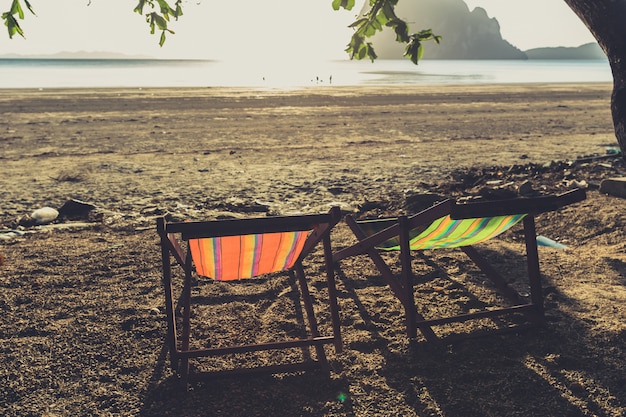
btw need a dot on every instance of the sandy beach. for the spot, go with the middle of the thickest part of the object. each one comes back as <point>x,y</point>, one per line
<point>127,149</point>
<point>82,306</point>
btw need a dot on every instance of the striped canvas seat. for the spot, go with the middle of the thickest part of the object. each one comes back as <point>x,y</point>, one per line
<point>451,224</point>
<point>229,258</point>
<point>446,232</point>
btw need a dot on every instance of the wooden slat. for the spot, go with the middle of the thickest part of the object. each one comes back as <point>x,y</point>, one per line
<point>268,369</point>
<point>296,343</point>
<point>235,227</point>
<point>525,308</point>
<point>531,205</point>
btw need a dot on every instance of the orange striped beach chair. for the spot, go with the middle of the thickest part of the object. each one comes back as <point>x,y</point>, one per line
<point>451,224</point>
<point>228,250</point>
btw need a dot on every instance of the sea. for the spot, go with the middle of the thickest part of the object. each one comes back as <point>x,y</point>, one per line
<point>145,73</point>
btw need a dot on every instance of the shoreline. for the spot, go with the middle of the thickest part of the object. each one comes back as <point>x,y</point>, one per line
<point>390,87</point>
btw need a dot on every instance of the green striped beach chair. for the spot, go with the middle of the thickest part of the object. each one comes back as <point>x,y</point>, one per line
<point>228,250</point>
<point>450,224</point>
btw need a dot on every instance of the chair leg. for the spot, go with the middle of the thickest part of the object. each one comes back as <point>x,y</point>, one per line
<point>407,278</point>
<point>332,294</point>
<point>532,259</point>
<point>186,331</point>
<point>308,308</point>
<point>171,335</point>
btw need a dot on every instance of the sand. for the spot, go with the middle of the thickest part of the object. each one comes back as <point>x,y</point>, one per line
<point>82,306</point>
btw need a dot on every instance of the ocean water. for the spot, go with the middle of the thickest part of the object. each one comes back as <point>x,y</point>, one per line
<point>73,73</point>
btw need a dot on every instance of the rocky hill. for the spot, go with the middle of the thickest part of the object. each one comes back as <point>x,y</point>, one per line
<point>466,34</point>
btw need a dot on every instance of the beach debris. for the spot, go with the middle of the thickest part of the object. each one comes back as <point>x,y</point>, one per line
<point>614,186</point>
<point>497,193</point>
<point>44,215</point>
<point>343,206</point>
<point>153,211</point>
<point>336,190</point>
<point>239,205</point>
<point>369,205</point>
<point>72,209</point>
<point>77,175</point>
<point>67,226</point>
<point>10,234</point>
<point>572,184</point>
<point>613,150</point>
<point>414,203</point>
<point>554,176</point>
<point>526,189</point>
<point>545,241</point>
<point>76,209</point>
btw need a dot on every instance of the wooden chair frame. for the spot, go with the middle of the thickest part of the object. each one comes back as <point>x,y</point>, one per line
<point>178,341</point>
<point>400,227</point>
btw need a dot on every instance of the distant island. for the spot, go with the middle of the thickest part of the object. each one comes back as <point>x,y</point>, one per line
<point>77,55</point>
<point>466,35</point>
<point>587,51</point>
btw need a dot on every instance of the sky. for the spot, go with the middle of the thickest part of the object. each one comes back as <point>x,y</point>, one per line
<point>250,30</point>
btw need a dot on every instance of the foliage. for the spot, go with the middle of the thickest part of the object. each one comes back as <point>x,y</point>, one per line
<point>10,20</point>
<point>382,14</point>
<point>158,17</point>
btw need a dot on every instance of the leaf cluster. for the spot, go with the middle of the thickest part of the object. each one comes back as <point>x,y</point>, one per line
<point>16,12</point>
<point>382,14</point>
<point>160,15</point>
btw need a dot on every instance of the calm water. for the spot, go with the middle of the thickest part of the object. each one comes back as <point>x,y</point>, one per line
<point>43,73</point>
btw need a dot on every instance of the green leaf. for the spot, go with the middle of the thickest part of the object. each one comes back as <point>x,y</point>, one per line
<point>401,29</point>
<point>345,4</point>
<point>389,11</point>
<point>139,7</point>
<point>381,19</point>
<point>166,10</point>
<point>411,50</point>
<point>358,23</point>
<point>420,52</point>
<point>362,52</point>
<point>162,40</point>
<point>160,21</point>
<point>16,8</point>
<point>370,52</point>
<point>27,3</point>
<point>151,22</point>
<point>12,25</point>
<point>369,29</point>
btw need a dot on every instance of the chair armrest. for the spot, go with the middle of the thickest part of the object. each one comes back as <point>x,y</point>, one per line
<point>532,205</point>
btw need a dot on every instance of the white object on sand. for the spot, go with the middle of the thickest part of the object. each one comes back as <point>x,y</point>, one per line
<point>44,215</point>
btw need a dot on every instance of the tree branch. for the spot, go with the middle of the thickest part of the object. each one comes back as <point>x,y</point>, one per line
<point>158,18</point>
<point>381,13</point>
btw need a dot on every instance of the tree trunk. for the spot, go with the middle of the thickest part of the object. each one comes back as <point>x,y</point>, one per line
<point>606,19</point>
